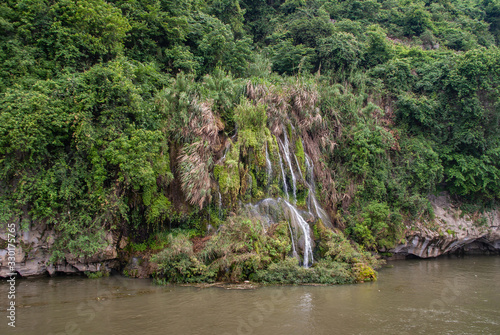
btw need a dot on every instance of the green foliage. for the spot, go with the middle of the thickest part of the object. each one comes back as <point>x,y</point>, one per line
<point>216,45</point>
<point>291,59</point>
<point>224,91</point>
<point>299,153</point>
<point>177,263</point>
<point>241,250</point>
<point>251,117</point>
<point>100,119</point>
<point>75,34</point>
<point>416,20</point>
<point>237,251</point>
<point>289,272</point>
<point>229,12</point>
<point>112,116</point>
<point>340,52</point>
<point>228,175</point>
<point>423,167</point>
<point>377,227</point>
<point>378,49</point>
<point>341,263</point>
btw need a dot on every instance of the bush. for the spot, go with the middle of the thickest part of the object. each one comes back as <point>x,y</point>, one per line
<point>177,263</point>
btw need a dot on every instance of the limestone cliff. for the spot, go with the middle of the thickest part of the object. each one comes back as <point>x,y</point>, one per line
<point>452,231</point>
<point>33,256</point>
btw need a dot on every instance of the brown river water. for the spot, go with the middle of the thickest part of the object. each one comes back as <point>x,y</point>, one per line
<point>438,296</point>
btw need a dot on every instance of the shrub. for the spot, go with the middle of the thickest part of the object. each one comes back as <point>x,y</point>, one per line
<point>177,263</point>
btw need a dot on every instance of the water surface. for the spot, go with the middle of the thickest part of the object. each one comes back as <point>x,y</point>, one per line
<point>440,296</point>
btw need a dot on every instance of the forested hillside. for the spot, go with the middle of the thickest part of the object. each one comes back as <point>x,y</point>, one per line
<point>160,120</point>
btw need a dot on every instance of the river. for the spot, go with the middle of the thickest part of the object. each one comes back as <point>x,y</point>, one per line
<point>436,296</point>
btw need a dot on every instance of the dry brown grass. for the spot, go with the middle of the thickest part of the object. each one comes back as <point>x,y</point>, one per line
<point>194,162</point>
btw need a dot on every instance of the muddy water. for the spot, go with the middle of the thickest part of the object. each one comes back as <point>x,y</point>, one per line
<point>443,296</point>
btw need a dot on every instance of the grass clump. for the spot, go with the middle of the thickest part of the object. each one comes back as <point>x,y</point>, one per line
<point>340,262</point>
<point>243,250</point>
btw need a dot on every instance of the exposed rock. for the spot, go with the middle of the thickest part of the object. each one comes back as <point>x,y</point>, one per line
<point>33,256</point>
<point>139,267</point>
<point>452,231</point>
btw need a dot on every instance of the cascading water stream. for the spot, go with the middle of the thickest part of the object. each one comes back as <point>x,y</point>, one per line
<point>310,183</point>
<point>298,166</point>
<point>269,168</point>
<point>285,187</point>
<point>288,159</point>
<point>309,171</point>
<point>268,210</point>
<point>320,212</point>
<point>294,250</point>
<point>223,158</point>
<point>306,231</point>
<point>286,151</point>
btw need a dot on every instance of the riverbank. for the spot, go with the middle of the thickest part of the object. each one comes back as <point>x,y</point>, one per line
<point>443,295</point>
<point>451,232</point>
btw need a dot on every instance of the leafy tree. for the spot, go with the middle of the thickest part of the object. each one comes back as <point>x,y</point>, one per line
<point>340,52</point>
<point>290,59</point>
<point>378,49</point>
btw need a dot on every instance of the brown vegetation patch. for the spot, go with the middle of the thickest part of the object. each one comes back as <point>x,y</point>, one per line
<point>199,243</point>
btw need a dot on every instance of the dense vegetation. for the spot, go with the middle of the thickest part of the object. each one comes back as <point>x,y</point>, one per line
<point>115,116</point>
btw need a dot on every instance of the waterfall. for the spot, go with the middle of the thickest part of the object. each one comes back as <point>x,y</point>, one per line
<point>294,252</point>
<point>311,199</point>
<point>270,211</point>
<point>223,158</point>
<point>269,167</point>
<point>309,171</point>
<point>286,151</point>
<point>298,167</point>
<point>287,156</point>
<point>285,187</point>
<point>296,218</point>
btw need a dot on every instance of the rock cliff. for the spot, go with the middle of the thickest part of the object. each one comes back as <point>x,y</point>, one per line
<point>33,256</point>
<point>452,231</point>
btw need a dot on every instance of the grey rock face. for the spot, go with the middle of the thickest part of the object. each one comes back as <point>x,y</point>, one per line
<point>33,256</point>
<point>452,231</point>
